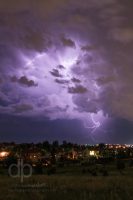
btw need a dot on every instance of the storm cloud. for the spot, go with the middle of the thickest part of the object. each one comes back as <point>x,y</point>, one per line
<point>66,59</point>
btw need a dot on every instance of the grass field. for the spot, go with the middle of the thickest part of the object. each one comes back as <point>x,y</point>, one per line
<point>71,185</point>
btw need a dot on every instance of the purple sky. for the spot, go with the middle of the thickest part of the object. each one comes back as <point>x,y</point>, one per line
<point>66,62</point>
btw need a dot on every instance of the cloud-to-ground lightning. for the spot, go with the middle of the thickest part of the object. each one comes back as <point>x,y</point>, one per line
<point>96,124</point>
<point>97,120</point>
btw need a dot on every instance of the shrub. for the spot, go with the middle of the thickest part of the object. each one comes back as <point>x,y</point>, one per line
<point>51,170</point>
<point>38,169</point>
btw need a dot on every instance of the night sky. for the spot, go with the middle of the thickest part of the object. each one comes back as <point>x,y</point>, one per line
<point>66,71</point>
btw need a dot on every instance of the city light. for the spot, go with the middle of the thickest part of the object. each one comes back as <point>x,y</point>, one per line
<point>92,153</point>
<point>4,154</point>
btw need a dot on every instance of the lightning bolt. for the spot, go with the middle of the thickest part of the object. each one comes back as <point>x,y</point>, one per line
<point>30,62</point>
<point>94,127</point>
<point>96,124</point>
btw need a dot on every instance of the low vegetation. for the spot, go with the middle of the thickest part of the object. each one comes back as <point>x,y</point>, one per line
<point>71,182</point>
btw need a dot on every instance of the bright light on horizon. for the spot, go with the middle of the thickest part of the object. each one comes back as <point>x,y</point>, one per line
<point>4,154</point>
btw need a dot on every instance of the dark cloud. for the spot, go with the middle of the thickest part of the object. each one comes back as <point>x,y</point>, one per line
<point>33,40</point>
<point>75,80</point>
<point>124,35</point>
<point>60,67</point>
<point>42,129</point>
<point>105,80</point>
<point>60,81</point>
<point>22,108</point>
<point>4,102</point>
<point>68,42</point>
<point>23,30</point>
<point>56,73</point>
<point>88,48</point>
<point>79,89</point>
<point>24,81</point>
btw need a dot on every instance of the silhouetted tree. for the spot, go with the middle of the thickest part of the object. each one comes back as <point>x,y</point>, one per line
<point>46,145</point>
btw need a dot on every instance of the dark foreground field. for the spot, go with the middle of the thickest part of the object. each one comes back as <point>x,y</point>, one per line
<point>71,184</point>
